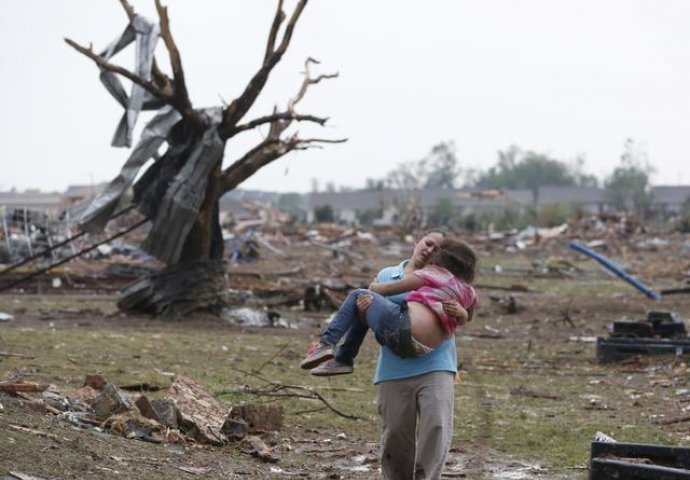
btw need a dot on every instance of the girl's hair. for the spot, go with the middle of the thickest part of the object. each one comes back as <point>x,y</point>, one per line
<point>457,257</point>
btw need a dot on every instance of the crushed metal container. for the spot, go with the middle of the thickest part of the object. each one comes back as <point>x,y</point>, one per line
<point>659,323</point>
<point>663,332</point>
<point>637,461</point>
<point>620,348</point>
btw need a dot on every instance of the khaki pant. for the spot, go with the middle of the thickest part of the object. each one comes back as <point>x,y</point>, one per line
<point>417,416</point>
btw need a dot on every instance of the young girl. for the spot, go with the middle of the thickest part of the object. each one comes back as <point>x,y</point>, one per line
<point>412,329</point>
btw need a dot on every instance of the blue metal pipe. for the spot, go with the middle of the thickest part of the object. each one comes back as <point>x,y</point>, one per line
<point>611,265</point>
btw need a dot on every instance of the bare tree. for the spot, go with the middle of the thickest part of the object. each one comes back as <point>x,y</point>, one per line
<point>180,191</point>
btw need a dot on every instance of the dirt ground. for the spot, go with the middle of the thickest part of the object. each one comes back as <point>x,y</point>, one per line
<point>529,398</point>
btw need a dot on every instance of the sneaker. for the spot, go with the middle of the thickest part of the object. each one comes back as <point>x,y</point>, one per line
<point>316,355</point>
<point>332,367</point>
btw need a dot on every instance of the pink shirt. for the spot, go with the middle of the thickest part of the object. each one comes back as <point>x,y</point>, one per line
<point>440,285</point>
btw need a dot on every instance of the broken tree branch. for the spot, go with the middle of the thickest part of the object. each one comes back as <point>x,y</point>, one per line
<point>160,79</point>
<point>111,67</point>
<point>289,28</point>
<point>259,156</point>
<point>277,117</point>
<point>273,147</point>
<point>270,359</point>
<point>128,9</point>
<point>308,81</point>
<point>264,153</point>
<point>167,95</point>
<point>306,142</point>
<point>241,105</point>
<point>278,19</point>
<point>180,87</point>
<point>279,386</point>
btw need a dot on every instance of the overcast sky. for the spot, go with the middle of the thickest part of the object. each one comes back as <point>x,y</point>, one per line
<point>561,77</point>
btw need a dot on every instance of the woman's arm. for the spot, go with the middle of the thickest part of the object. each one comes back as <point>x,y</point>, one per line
<point>405,284</point>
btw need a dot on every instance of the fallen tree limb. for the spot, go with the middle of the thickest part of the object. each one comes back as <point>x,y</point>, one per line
<point>279,390</point>
<point>270,359</point>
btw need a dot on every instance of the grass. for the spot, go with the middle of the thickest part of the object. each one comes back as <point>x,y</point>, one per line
<point>533,394</point>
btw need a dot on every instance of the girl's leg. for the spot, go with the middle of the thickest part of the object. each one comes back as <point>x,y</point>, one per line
<point>383,318</point>
<point>345,318</point>
<point>353,340</point>
<point>380,315</point>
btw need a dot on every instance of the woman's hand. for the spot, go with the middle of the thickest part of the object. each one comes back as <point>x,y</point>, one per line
<point>453,308</point>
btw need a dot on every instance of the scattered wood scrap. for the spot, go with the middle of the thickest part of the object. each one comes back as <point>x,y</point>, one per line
<point>198,412</point>
<point>24,476</point>
<point>526,392</point>
<point>17,355</point>
<point>14,387</point>
<point>255,446</point>
<point>40,433</point>
<point>670,421</point>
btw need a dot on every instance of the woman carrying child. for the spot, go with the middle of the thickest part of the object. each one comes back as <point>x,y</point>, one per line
<point>411,329</point>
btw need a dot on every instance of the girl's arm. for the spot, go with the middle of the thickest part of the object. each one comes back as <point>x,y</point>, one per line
<point>405,284</point>
<point>455,310</point>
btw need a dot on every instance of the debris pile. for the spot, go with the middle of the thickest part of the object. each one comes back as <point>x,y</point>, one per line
<point>187,413</point>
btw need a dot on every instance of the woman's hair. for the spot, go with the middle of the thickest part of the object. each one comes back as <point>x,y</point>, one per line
<point>457,257</point>
<point>440,230</point>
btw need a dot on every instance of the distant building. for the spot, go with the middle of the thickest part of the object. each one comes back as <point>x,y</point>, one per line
<point>586,199</point>
<point>235,204</point>
<point>385,206</point>
<point>77,198</point>
<point>391,205</point>
<point>670,199</point>
<point>31,200</point>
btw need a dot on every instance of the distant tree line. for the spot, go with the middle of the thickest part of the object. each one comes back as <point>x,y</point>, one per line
<point>627,187</point>
<point>518,169</point>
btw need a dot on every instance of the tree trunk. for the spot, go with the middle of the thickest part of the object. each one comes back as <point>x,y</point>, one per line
<point>177,291</point>
<point>197,281</point>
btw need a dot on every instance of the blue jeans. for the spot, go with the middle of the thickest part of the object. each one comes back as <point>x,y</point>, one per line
<point>388,321</point>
